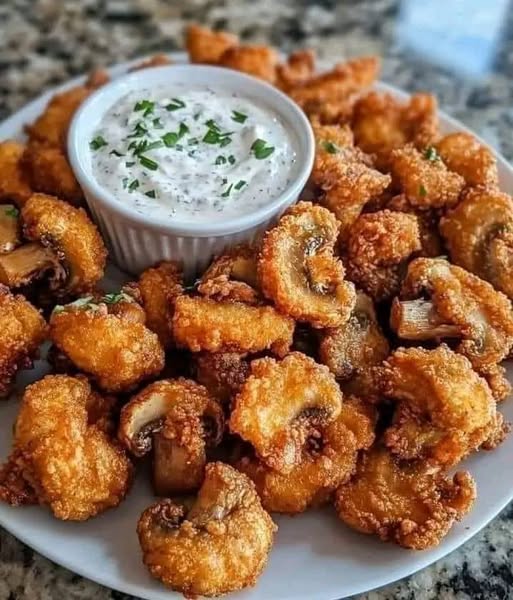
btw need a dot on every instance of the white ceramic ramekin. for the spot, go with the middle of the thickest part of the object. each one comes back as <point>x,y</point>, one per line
<point>138,241</point>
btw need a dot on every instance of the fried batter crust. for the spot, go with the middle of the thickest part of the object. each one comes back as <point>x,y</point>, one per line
<point>207,46</point>
<point>222,373</point>
<point>14,183</point>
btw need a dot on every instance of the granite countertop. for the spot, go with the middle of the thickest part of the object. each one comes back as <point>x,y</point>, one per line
<point>461,50</point>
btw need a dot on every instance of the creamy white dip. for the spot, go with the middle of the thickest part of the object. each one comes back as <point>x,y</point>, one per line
<point>191,153</point>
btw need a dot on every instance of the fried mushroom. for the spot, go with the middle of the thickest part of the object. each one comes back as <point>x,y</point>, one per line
<point>218,546</point>
<point>328,459</point>
<point>445,409</point>
<point>22,331</point>
<point>352,350</point>
<point>440,300</point>
<point>202,324</point>
<point>409,504</point>
<point>299,272</point>
<point>64,452</point>
<point>379,247</point>
<point>207,46</point>
<point>9,228</point>
<point>182,422</point>
<point>63,242</point>
<point>14,184</point>
<point>281,403</point>
<point>222,373</point>
<point>107,341</point>
<point>258,61</point>
<point>479,236</point>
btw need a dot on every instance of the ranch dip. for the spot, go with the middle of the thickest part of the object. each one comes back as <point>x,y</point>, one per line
<point>184,154</point>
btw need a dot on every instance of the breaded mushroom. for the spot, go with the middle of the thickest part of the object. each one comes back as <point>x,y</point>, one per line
<point>258,61</point>
<point>106,342</point>
<point>409,504</point>
<point>206,46</point>
<point>22,331</point>
<point>222,373</point>
<point>219,545</point>
<point>14,183</point>
<point>64,451</point>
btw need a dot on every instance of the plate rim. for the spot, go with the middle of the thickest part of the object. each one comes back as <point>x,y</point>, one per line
<point>370,584</point>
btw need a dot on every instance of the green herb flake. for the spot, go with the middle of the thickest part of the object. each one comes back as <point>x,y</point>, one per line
<point>422,191</point>
<point>148,163</point>
<point>157,123</point>
<point>227,192</point>
<point>330,147</point>
<point>238,117</point>
<point>129,163</point>
<point>151,194</point>
<point>211,124</point>
<point>225,141</point>
<point>175,104</point>
<point>133,185</point>
<point>97,143</point>
<point>231,159</point>
<point>12,212</point>
<point>193,141</point>
<point>116,153</point>
<point>240,184</point>
<point>139,131</point>
<point>147,106</point>
<point>220,160</point>
<point>171,138</point>
<point>431,154</point>
<point>125,180</point>
<point>260,149</point>
<point>114,298</point>
<point>211,137</point>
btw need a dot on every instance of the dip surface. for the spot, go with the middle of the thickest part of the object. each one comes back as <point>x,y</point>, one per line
<point>192,154</point>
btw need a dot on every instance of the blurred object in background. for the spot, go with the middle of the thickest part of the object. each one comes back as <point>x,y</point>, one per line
<point>461,35</point>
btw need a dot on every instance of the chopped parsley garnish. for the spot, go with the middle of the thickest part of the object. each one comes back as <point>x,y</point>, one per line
<point>125,181</point>
<point>261,149</point>
<point>422,190</point>
<point>148,163</point>
<point>12,212</point>
<point>225,141</point>
<point>175,104</point>
<point>134,185</point>
<point>240,184</point>
<point>231,159</point>
<point>116,153</point>
<point>238,116</point>
<point>211,137</point>
<point>97,143</point>
<point>330,147</point>
<point>431,154</point>
<point>139,131</point>
<point>143,146</point>
<point>220,160</point>
<point>114,298</point>
<point>171,137</point>
<point>193,141</point>
<point>151,194</point>
<point>227,192</point>
<point>215,136</point>
<point>147,106</point>
<point>196,116</point>
<point>130,163</point>
<point>157,123</point>
<point>211,124</point>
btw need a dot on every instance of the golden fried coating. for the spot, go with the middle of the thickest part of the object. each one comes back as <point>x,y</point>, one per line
<point>497,380</point>
<point>378,249</point>
<point>63,451</point>
<point>299,272</point>
<point>72,236</point>
<point>426,183</point>
<point>182,422</point>
<point>479,236</point>
<point>207,46</point>
<point>344,175</point>
<point>22,330</point>
<point>381,123</point>
<point>459,305</point>
<point>330,96</point>
<point>9,228</point>
<point>352,350</point>
<point>218,546</point>
<point>157,290</point>
<point>117,351</point>
<point>232,276</point>
<point>49,172</point>
<point>445,411</point>
<point>222,373</point>
<point>258,61</point>
<point>409,504</point>
<point>463,154</point>
<point>204,324</point>
<point>51,127</point>
<point>328,459</point>
<point>14,183</point>
<point>298,69</point>
<point>281,403</point>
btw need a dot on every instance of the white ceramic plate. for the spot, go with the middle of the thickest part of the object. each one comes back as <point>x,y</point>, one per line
<point>315,555</point>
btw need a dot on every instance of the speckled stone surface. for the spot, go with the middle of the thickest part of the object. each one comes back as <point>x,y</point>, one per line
<point>462,50</point>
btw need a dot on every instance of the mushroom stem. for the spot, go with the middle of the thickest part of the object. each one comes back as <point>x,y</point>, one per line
<point>418,320</point>
<point>9,229</point>
<point>26,263</point>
